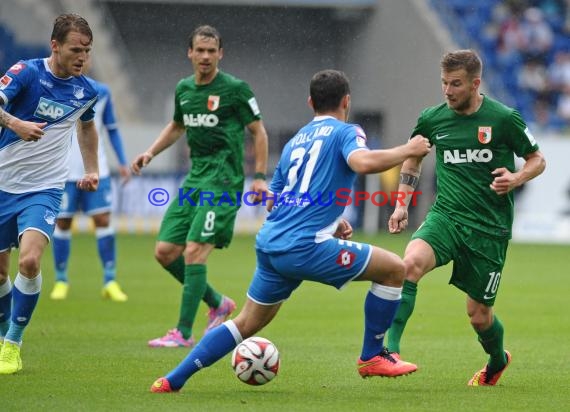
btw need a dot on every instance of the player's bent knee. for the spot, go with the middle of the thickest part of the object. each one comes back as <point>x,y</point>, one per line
<point>29,266</point>
<point>164,256</point>
<point>413,269</point>
<point>481,319</point>
<point>479,323</point>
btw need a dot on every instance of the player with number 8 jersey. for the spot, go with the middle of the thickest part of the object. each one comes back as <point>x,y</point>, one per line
<point>211,108</point>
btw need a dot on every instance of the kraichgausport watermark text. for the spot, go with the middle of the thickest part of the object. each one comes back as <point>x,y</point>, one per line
<point>341,197</point>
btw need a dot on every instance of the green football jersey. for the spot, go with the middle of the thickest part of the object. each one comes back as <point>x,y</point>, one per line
<point>468,149</point>
<point>215,116</point>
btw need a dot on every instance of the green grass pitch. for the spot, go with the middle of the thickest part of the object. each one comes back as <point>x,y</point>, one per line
<point>86,354</point>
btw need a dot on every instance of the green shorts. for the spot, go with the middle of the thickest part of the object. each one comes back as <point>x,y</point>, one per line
<point>478,258</point>
<point>203,217</point>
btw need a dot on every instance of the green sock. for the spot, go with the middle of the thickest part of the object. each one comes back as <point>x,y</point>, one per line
<point>402,315</point>
<point>192,293</point>
<point>176,269</point>
<point>212,298</point>
<point>492,342</point>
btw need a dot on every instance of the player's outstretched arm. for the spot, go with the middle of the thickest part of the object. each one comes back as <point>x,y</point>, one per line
<point>376,161</point>
<point>170,134</point>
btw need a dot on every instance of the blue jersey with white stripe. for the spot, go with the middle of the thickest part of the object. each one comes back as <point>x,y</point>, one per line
<point>312,171</point>
<point>31,92</point>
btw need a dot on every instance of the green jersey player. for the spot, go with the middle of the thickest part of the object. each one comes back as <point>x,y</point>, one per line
<point>476,139</point>
<point>212,108</point>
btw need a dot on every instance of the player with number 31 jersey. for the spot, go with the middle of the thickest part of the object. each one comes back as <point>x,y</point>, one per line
<point>306,181</point>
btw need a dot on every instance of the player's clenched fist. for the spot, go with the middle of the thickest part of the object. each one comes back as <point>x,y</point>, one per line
<point>419,146</point>
<point>89,183</point>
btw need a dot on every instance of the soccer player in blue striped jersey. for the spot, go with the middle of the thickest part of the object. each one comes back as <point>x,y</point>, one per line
<point>306,238</point>
<point>97,204</point>
<point>44,101</point>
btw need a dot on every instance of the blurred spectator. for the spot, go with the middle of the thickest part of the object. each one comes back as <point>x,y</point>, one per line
<point>563,106</point>
<point>558,73</point>
<point>511,37</point>
<point>554,11</point>
<point>532,78</point>
<point>543,121</point>
<point>538,35</point>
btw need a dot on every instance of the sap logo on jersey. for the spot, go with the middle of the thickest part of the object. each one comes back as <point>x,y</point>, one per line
<point>198,120</point>
<point>50,110</point>
<point>469,156</point>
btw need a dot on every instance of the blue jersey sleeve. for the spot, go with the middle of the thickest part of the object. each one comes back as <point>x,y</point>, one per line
<point>117,143</point>
<point>110,123</point>
<point>353,138</point>
<point>109,110</point>
<point>15,80</point>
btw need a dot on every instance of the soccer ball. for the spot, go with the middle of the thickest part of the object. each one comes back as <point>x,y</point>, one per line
<point>255,361</point>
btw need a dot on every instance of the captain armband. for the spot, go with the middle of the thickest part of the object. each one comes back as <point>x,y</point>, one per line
<point>408,179</point>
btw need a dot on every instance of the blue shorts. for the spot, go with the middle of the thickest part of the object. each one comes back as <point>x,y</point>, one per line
<point>334,262</point>
<point>24,211</point>
<point>91,203</point>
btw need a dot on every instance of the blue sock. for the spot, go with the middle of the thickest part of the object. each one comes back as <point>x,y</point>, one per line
<point>25,295</point>
<point>215,345</point>
<point>380,308</point>
<point>61,247</point>
<point>5,306</point>
<point>107,255</point>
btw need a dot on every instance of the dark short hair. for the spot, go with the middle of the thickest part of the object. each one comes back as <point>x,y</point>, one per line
<point>66,23</point>
<point>205,31</point>
<point>462,59</point>
<point>327,89</point>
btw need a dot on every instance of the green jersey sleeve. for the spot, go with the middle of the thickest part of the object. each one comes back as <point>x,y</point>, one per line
<point>423,125</point>
<point>521,141</point>
<point>246,106</point>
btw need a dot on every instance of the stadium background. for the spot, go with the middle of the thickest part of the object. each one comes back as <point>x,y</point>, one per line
<point>389,49</point>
